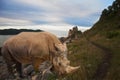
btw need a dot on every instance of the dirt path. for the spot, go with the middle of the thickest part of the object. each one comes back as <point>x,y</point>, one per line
<point>103,67</point>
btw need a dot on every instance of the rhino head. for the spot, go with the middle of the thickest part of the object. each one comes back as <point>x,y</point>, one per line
<point>60,61</point>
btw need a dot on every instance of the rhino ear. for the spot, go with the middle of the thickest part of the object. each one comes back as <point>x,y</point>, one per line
<point>58,47</point>
<point>61,47</point>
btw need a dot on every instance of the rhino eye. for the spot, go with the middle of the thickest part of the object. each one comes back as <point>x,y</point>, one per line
<point>59,64</point>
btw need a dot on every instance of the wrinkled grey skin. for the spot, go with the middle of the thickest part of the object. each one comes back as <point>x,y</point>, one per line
<point>35,48</point>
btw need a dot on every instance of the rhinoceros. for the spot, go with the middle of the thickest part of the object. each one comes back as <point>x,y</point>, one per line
<point>35,48</point>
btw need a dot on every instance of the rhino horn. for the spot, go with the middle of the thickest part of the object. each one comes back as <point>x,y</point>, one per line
<point>71,69</point>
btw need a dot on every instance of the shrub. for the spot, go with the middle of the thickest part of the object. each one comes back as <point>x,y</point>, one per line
<point>112,34</point>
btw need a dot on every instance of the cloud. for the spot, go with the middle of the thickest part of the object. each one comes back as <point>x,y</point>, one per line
<point>51,12</point>
<point>61,7</point>
<point>56,16</point>
<point>13,22</point>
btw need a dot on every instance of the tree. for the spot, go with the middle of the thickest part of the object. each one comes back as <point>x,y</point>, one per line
<point>110,8</point>
<point>115,6</point>
<point>118,1</point>
<point>105,12</point>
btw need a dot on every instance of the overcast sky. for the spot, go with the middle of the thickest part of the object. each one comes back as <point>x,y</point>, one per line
<point>56,16</point>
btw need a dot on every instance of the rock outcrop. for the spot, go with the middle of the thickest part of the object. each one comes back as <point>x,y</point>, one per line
<point>74,33</point>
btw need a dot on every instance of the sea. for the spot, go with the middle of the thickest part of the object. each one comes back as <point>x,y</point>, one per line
<point>4,38</point>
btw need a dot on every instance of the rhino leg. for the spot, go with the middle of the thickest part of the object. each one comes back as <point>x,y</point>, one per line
<point>12,65</point>
<point>36,62</point>
<point>9,61</point>
<point>19,68</point>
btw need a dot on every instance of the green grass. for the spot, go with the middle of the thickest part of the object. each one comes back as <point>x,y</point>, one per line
<point>82,53</point>
<point>113,44</point>
<point>106,32</point>
<point>87,56</point>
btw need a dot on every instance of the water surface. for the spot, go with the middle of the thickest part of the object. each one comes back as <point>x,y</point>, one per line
<point>4,38</point>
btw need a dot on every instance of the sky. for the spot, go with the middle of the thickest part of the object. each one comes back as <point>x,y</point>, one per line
<point>56,16</point>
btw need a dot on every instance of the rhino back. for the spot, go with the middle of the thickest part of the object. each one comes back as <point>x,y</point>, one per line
<point>28,45</point>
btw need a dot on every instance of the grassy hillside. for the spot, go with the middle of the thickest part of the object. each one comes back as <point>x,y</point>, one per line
<point>99,48</point>
<point>106,32</point>
<point>88,56</point>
